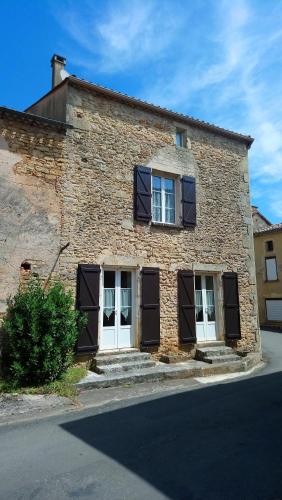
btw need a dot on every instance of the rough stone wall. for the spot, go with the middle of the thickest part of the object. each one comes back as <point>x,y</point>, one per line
<point>109,139</point>
<point>31,161</point>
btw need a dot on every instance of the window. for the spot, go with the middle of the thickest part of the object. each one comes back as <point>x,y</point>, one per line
<point>271,269</point>
<point>274,309</point>
<point>180,138</point>
<point>163,190</point>
<point>269,246</point>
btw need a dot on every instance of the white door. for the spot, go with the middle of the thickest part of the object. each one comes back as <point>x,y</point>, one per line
<point>117,330</point>
<point>205,308</point>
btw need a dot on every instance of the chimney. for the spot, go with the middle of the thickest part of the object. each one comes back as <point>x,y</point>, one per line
<point>58,72</point>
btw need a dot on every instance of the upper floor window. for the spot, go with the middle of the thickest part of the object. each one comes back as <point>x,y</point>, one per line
<point>271,269</point>
<point>163,202</point>
<point>269,246</point>
<point>180,138</point>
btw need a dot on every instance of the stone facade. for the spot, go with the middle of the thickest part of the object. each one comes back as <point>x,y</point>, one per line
<point>89,181</point>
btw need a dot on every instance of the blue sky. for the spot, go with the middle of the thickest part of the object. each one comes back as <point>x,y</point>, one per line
<point>217,60</point>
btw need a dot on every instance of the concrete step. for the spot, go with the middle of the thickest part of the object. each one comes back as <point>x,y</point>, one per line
<point>228,358</point>
<point>124,367</point>
<point>160,372</point>
<point>114,359</point>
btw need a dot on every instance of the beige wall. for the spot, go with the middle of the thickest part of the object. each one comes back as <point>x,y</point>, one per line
<point>272,289</point>
<point>109,139</point>
<point>31,160</point>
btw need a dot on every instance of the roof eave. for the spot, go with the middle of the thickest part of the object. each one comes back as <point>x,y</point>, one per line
<point>248,140</point>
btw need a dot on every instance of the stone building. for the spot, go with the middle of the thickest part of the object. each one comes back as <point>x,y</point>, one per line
<point>268,255</point>
<point>153,207</point>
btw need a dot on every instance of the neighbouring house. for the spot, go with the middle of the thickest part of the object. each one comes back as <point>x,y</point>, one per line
<point>268,255</point>
<point>143,212</point>
<point>259,220</point>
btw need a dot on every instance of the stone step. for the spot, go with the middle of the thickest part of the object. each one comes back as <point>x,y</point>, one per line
<point>114,359</point>
<point>124,367</point>
<point>160,372</point>
<point>216,343</point>
<point>114,352</point>
<point>228,358</point>
<point>204,352</point>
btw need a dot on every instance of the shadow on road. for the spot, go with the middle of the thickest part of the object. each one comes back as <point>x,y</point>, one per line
<point>219,442</point>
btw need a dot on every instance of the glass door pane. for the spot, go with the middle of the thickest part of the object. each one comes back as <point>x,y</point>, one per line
<point>125,298</point>
<point>109,298</point>
<point>199,299</point>
<point>210,298</point>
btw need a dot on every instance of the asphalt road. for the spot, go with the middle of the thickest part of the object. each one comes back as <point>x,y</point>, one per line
<point>221,441</point>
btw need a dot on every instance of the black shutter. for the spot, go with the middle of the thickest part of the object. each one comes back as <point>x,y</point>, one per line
<point>186,307</point>
<point>188,201</point>
<point>142,193</point>
<point>231,306</point>
<point>150,307</point>
<point>88,284</point>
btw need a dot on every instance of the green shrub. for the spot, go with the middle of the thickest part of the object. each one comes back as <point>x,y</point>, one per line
<point>40,332</point>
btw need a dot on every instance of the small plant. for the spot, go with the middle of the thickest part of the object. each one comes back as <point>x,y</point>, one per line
<point>40,332</point>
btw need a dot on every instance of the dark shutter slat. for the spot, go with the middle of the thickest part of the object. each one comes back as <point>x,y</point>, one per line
<point>142,193</point>
<point>150,307</point>
<point>186,307</point>
<point>188,201</point>
<point>88,286</point>
<point>231,306</point>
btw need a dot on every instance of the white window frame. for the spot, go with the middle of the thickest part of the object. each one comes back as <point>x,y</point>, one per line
<point>271,269</point>
<point>163,214</point>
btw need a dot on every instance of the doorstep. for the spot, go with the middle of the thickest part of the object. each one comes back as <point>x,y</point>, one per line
<point>162,371</point>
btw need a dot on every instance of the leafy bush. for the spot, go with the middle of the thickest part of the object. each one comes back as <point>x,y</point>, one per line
<point>40,332</point>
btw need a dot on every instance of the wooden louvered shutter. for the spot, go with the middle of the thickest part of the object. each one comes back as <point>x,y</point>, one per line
<point>142,193</point>
<point>88,285</point>
<point>188,201</point>
<point>150,307</point>
<point>231,306</point>
<point>186,307</point>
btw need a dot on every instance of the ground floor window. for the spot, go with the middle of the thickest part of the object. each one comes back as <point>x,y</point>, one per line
<point>274,309</point>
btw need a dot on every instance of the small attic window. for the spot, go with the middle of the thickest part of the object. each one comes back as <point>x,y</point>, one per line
<point>180,138</point>
<point>26,266</point>
<point>269,246</point>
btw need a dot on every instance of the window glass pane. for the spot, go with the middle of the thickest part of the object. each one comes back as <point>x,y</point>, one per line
<point>157,199</point>
<point>125,316</point>
<point>210,305</point>
<point>209,282</point>
<point>170,216</point>
<point>179,139</point>
<point>271,270</point>
<point>109,307</point>
<point>169,200</point>
<point>109,279</point>
<point>198,283</point>
<point>169,185</point>
<point>156,182</point>
<point>199,305</point>
<point>125,279</point>
<point>269,246</point>
<point>157,214</point>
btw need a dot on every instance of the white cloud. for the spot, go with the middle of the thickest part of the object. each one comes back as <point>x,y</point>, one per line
<point>220,60</point>
<point>124,34</point>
